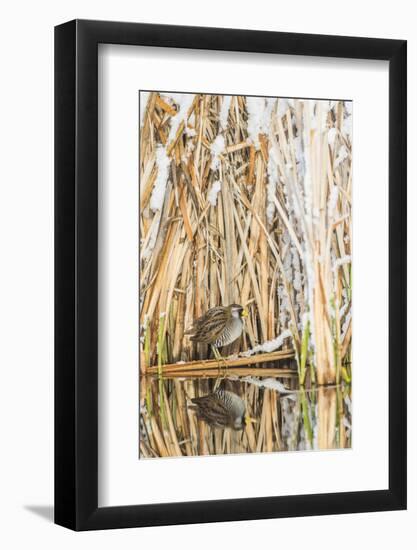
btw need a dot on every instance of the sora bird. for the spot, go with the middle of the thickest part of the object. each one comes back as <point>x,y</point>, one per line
<point>219,326</point>
<point>223,409</point>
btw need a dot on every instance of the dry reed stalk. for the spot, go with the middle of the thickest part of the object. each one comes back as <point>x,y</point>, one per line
<point>182,419</point>
<point>229,373</point>
<point>228,362</point>
<point>159,439</point>
<point>326,401</point>
<point>268,421</point>
<point>275,422</point>
<point>171,429</point>
<point>340,417</point>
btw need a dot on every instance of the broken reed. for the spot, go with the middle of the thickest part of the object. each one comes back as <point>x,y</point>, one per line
<point>231,366</point>
<point>275,238</point>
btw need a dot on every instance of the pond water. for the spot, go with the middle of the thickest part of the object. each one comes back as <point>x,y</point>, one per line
<point>287,417</point>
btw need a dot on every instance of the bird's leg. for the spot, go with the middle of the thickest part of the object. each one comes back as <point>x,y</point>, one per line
<point>218,355</point>
<point>215,352</point>
<point>219,358</point>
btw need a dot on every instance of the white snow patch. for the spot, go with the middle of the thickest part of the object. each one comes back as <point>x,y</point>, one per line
<point>272,185</point>
<point>217,147</point>
<point>299,155</point>
<point>345,325</point>
<point>224,111</point>
<point>296,264</point>
<point>283,107</point>
<point>342,261</point>
<point>259,111</point>
<point>151,238</point>
<point>190,132</point>
<point>255,106</point>
<point>268,383</point>
<point>347,126</point>
<point>331,205</point>
<point>342,155</point>
<point>184,102</point>
<point>158,193</point>
<point>212,194</point>
<point>268,346</point>
<point>312,112</point>
<point>270,105</point>
<point>331,136</point>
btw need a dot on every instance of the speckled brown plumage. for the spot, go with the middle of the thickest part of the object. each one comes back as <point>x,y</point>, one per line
<point>219,326</point>
<point>221,408</point>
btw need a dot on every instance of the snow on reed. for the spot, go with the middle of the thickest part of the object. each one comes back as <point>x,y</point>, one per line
<point>296,265</point>
<point>213,192</point>
<point>259,117</point>
<point>331,136</point>
<point>299,156</point>
<point>332,202</point>
<point>283,107</point>
<point>284,305</point>
<point>307,225</point>
<point>273,180</point>
<point>143,101</point>
<point>217,147</point>
<point>158,193</point>
<point>255,106</point>
<point>270,105</point>
<point>269,384</point>
<point>343,309</point>
<point>184,102</point>
<point>149,244</point>
<point>190,132</point>
<point>224,111</point>
<point>268,346</point>
<point>342,261</point>
<point>347,121</point>
<point>342,155</point>
<point>307,180</point>
<point>345,325</point>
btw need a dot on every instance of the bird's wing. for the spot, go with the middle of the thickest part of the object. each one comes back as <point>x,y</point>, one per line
<point>211,409</point>
<point>209,326</point>
<point>211,401</point>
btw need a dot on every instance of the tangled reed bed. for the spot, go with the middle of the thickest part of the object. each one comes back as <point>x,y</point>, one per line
<point>247,200</point>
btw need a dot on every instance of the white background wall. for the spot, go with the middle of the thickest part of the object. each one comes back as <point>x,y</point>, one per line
<point>26,274</point>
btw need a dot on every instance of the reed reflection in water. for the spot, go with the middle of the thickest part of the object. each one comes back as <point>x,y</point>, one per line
<point>288,417</point>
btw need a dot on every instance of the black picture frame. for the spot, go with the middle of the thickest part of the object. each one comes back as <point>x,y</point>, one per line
<point>76,271</point>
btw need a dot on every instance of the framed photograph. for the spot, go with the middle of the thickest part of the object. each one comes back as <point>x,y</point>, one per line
<point>230,235</point>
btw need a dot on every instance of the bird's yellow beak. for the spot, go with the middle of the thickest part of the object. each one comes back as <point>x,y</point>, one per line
<point>250,420</point>
<point>245,313</point>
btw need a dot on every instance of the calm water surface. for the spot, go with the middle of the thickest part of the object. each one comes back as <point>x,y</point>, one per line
<point>288,418</point>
